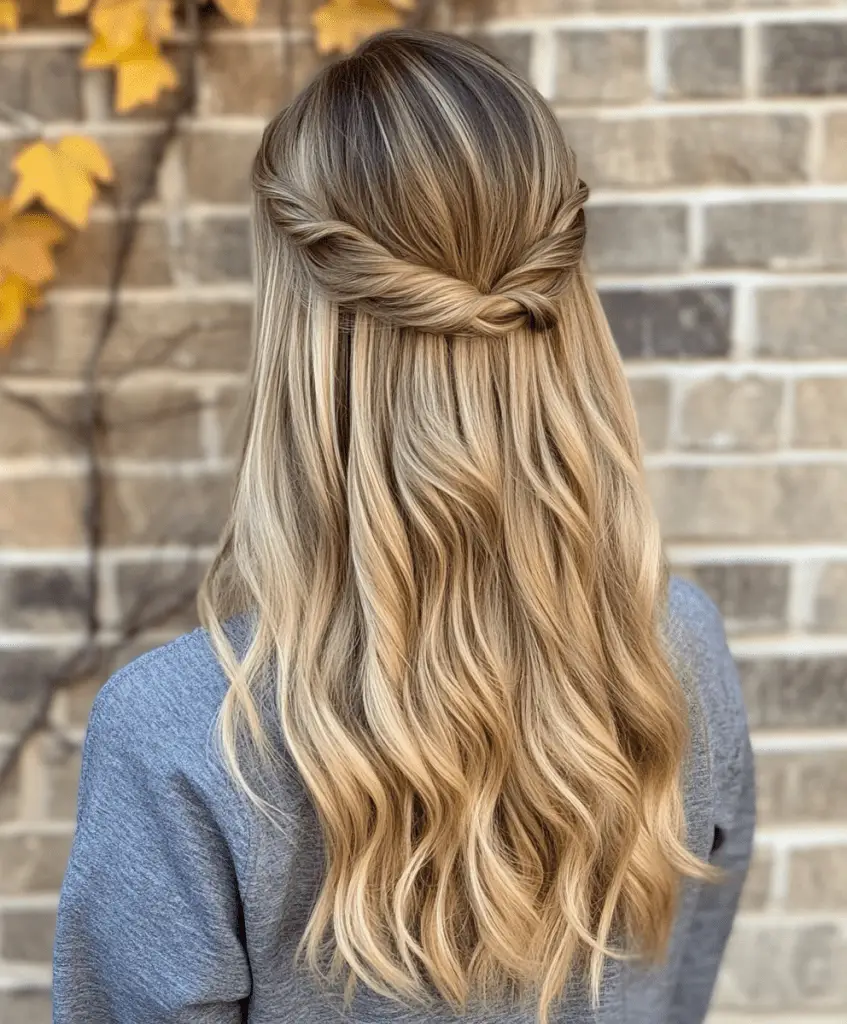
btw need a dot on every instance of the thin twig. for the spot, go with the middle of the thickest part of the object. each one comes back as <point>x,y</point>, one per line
<point>40,409</point>
<point>22,118</point>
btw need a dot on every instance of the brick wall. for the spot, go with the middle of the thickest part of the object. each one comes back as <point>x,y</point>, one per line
<point>714,136</point>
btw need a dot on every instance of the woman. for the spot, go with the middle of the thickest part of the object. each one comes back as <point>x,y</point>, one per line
<point>477,750</point>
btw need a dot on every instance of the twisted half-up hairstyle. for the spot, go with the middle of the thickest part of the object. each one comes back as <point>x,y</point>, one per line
<point>441,535</point>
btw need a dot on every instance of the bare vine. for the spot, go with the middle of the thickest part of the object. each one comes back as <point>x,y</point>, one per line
<point>89,429</point>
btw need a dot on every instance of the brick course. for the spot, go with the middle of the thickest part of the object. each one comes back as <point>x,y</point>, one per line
<point>704,62</point>
<point>713,135</point>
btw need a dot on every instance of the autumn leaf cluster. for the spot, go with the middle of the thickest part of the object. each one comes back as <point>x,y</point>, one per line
<point>128,37</point>
<point>61,178</point>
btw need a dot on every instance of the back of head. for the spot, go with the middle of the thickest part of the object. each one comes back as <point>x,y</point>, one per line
<point>441,527</point>
<point>425,184</point>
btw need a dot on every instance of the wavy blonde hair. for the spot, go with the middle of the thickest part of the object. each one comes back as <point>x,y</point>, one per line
<point>441,530</point>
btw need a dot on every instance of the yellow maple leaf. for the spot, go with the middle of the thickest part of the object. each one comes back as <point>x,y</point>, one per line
<point>122,22</point>
<point>101,54</point>
<point>16,296</point>
<point>404,5</point>
<point>66,7</point>
<point>88,154</point>
<point>61,176</point>
<point>341,24</point>
<point>25,246</point>
<point>141,71</point>
<point>142,78</point>
<point>8,15</point>
<point>241,11</point>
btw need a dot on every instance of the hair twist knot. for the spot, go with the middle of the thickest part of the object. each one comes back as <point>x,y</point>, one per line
<point>355,269</point>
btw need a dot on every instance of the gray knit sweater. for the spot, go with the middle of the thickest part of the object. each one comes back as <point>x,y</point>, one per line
<point>182,904</point>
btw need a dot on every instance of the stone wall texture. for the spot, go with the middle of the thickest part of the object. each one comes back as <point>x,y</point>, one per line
<point>714,136</point>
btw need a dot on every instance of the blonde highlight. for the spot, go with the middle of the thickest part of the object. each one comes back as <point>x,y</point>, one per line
<point>441,530</point>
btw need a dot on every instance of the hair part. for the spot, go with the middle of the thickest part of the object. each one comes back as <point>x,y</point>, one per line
<point>441,531</point>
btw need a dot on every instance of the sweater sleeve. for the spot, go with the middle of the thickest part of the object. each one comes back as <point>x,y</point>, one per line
<point>149,927</point>
<point>734,815</point>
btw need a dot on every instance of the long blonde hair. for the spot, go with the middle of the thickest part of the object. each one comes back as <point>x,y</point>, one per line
<point>441,531</point>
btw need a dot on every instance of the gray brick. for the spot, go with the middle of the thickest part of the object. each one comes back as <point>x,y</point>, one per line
<point>33,863</point>
<point>42,82</point>
<point>256,77</point>
<point>756,892</point>
<point>178,333</point>
<point>601,66</point>
<point>651,403</point>
<point>760,148</point>
<point>804,60</point>
<point>548,8</point>
<point>731,414</point>
<point>716,502</point>
<point>60,768</point>
<point>41,512</point>
<point>670,323</point>
<point>813,502</point>
<point>686,149</point>
<point>88,257</point>
<point>80,697</point>
<point>28,935</point>
<point>153,422</point>
<point>835,147</point>
<point>25,1007</point>
<point>797,693</point>
<point>820,413</point>
<point>777,236</point>
<point>831,604</point>
<point>131,154</point>
<point>513,48</point>
<point>619,153</point>
<point>231,411</point>
<point>140,510</point>
<point>8,150</point>
<point>817,879</point>
<point>10,790</point>
<point>164,592</point>
<point>752,597</point>
<point>25,674</point>
<point>803,323</point>
<point>38,423</point>
<point>217,164</point>
<point>783,967</point>
<point>220,249</point>
<point>629,238</point>
<point>801,788</point>
<point>765,501</point>
<point>42,597</point>
<point>704,62</point>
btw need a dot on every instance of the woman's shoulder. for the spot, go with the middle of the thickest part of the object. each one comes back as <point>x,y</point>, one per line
<point>174,689</point>
<point>700,650</point>
<point>693,617</point>
<point>703,661</point>
<point>159,714</point>
<point>696,636</point>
